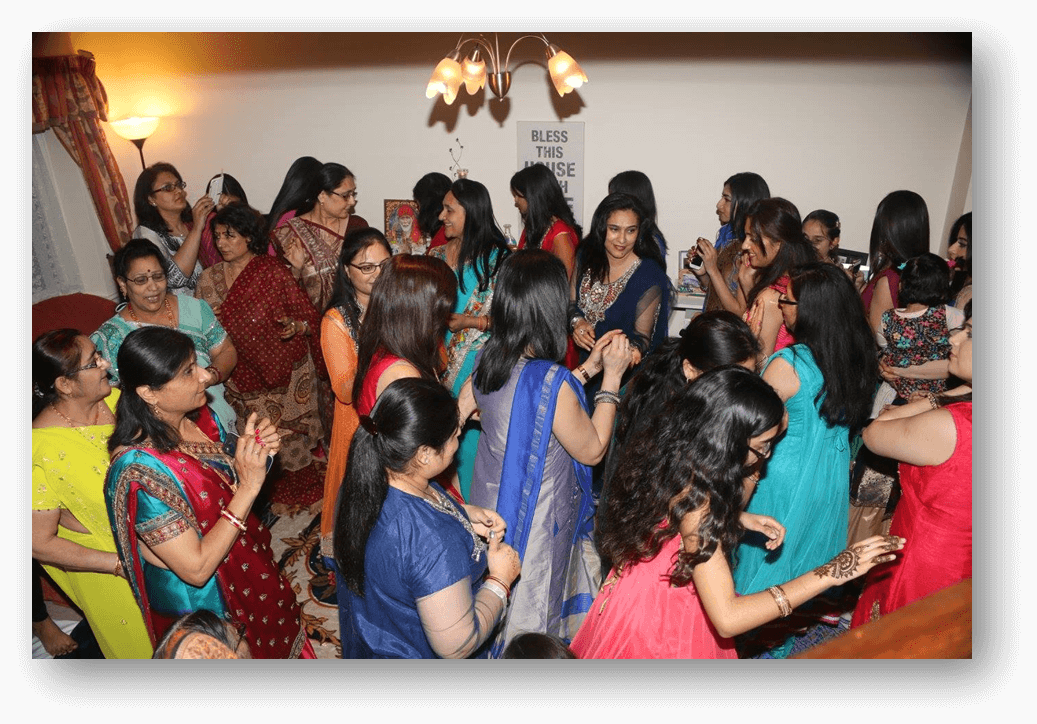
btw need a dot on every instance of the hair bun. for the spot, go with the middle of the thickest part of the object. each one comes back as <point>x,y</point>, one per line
<point>368,424</point>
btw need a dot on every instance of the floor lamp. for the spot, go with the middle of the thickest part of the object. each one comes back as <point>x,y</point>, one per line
<point>136,130</point>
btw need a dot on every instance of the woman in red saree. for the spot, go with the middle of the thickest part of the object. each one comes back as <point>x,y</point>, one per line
<point>258,302</point>
<point>181,504</point>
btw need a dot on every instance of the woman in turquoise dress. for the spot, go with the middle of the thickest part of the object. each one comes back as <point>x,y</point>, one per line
<point>827,381</point>
<point>141,277</point>
<point>475,249</point>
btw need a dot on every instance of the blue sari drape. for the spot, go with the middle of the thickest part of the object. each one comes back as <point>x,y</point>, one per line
<point>529,432</point>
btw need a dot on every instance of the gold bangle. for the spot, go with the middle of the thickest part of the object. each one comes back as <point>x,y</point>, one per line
<point>583,373</point>
<point>119,569</point>
<point>784,607</point>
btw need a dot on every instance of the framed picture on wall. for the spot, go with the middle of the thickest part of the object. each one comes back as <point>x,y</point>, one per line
<point>401,227</point>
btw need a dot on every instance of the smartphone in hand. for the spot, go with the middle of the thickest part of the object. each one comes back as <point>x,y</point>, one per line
<point>216,189</point>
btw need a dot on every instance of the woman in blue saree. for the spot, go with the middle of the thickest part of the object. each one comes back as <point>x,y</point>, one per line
<point>620,282</point>
<point>538,443</point>
<point>475,249</point>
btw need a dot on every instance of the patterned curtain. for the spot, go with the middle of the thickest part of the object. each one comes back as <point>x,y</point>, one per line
<point>68,98</point>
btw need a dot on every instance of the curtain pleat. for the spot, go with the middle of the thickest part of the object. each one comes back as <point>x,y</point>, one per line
<point>68,98</point>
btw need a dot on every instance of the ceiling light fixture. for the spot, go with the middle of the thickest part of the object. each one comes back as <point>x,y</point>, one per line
<point>451,72</point>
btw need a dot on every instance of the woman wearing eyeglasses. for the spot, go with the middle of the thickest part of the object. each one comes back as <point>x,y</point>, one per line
<point>364,254</point>
<point>310,242</point>
<point>73,417</point>
<point>141,276</point>
<point>274,328</point>
<point>164,218</point>
<point>827,380</point>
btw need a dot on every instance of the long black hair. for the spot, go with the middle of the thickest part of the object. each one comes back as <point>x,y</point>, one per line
<point>429,192</point>
<point>746,189</point>
<point>831,322</point>
<point>592,257</point>
<point>778,219</point>
<point>538,185</point>
<point>410,306</point>
<point>410,413</point>
<point>638,185</point>
<point>148,215</point>
<point>54,354</point>
<point>693,457</point>
<point>150,356</point>
<point>711,339</point>
<point>343,296</point>
<point>299,185</point>
<point>899,231</point>
<point>481,234</point>
<point>962,273</point>
<point>528,314</point>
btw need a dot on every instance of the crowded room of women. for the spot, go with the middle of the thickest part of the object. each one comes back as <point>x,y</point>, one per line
<point>473,373</point>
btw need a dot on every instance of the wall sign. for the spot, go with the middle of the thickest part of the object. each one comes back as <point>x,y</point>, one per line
<point>559,146</point>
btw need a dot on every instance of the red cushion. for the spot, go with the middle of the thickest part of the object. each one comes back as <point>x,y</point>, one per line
<point>85,312</point>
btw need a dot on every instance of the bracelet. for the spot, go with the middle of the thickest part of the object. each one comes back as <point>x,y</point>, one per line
<point>583,373</point>
<point>573,321</point>
<point>215,373</point>
<point>484,323</point>
<point>605,396</point>
<point>497,591</point>
<point>784,607</point>
<point>119,571</point>
<point>233,520</point>
<point>502,584</point>
<point>933,402</point>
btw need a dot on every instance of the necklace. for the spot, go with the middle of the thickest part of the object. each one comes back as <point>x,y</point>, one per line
<point>169,313</point>
<point>92,439</point>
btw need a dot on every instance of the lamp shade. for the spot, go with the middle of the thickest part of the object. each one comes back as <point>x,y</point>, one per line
<point>566,73</point>
<point>474,73</point>
<point>135,129</point>
<point>446,79</point>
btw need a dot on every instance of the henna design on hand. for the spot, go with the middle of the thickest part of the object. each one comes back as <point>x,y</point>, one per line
<point>843,565</point>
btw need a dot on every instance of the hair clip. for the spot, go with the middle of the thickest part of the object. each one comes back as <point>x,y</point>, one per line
<point>901,267</point>
<point>368,424</point>
<point>36,390</point>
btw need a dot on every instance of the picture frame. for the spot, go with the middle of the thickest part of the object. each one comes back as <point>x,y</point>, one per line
<point>848,259</point>
<point>401,227</point>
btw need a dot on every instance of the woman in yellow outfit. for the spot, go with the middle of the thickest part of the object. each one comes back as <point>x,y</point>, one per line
<point>73,417</point>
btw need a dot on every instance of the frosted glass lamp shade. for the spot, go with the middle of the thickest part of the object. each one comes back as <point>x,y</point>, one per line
<point>135,129</point>
<point>566,73</point>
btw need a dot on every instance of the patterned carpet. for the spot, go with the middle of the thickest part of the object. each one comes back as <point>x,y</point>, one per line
<point>296,545</point>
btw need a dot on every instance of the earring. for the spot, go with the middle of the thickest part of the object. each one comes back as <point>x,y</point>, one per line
<point>155,411</point>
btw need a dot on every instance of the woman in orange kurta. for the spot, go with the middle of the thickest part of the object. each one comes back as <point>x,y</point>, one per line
<point>360,262</point>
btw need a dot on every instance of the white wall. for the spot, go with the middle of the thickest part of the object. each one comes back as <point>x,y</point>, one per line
<point>825,134</point>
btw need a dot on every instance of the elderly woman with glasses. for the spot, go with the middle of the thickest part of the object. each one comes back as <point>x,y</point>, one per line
<point>141,275</point>
<point>164,218</point>
<point>310,242</point>
<point>274,327</point>
<point>73,415</point>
